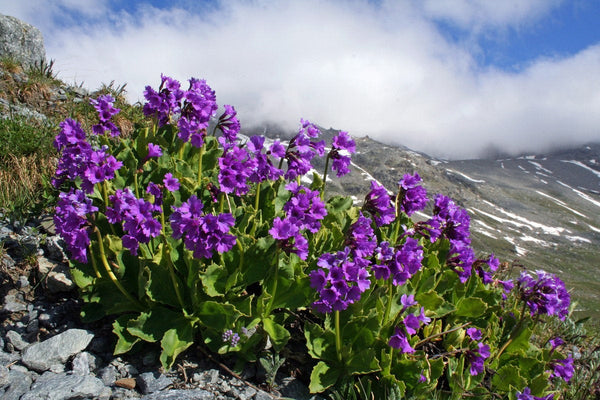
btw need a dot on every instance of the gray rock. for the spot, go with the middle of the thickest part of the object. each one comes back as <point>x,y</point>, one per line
<point>261,395</point>
<point>56,350</point>
<point>152,382</point>
<point>4,376</point>
<point>108,375</point>
<point>7,262</point>
<point>23,282</point>
<point>294,389</point>
<point>14,338</point>
<point>53,248</point>
<point>84,363</point>
<point>12,303</point>
<point>52,386</point>
<point>20,383</point>
<point>21,41</point>
<point>55,275</point>
<point>179,394</point>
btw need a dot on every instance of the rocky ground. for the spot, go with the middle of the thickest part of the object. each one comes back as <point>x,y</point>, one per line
<point>47,353</point>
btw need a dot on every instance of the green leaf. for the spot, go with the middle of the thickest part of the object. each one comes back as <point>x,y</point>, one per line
<point>175,341</point>
<point>520,342</point>
<point>363,362</point>
<point>152,325</point>
<point>278,334</point>
<point>507,376</point>
<point>430,300</point>
<point>217,316</point>
<point>125,341</point>
<point>470,307</point>
<point>322,377</point>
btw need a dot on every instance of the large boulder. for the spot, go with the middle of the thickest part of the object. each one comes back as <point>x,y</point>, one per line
<point>21,41</point>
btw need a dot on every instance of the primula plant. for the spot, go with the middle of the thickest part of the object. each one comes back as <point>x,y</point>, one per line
<point>189,232</point>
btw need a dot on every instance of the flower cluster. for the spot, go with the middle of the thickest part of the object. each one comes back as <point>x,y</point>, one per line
<point>231,338</point>
<point>303,211</point>
<point>411,324</point>
<point>71,222</point>
<point>301,150</point>
<point>199,106</point>
<point>399,264</point>
<point>80,160</point>
<point>106,110</point>
<point>342,147</point>
<point>477,357</point>
<point>229,124</point>
<point>379,204</point>
<point>136,214</point>
<point>526,395</point>
<point>452,222</point>
<point>562,368</point>
<point>545,295</point>
<point>412,196</point>
<point>165,102</point>
<point>203,234</point>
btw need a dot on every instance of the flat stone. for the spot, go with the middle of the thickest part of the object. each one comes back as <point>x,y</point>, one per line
<point>21,41</point>
<point>16,340</point>
<point>41,356</point>
<point>179,394</point>
<point>19,384</point>
<point>83,363</point>
<point>126,383</point>
<point>151,382</point>
<point>13,304</point>
<point>55,275</point>
<point>52,386</point>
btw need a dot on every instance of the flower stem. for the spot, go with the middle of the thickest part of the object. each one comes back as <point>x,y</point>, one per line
<point>200,164</point>
<point>94,265</point>
<point>338,336</point>
<point>274,290</point>
<point>325,175</point>
<point>110,273</point>
<point>172,275</point>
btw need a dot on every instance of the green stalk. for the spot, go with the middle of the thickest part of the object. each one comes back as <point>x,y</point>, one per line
<point>94,265</point>
<point>110,273</point>
<point>172,275</point>
<point>338,336</point>
<point>256,203</point>
<point>388,306</point>
<point>135,184</point>
<point>276,275</point>
<point>200,164</point>
<point>325,175</point>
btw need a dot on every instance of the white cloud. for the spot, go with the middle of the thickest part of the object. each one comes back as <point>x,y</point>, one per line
<point>382,70</point>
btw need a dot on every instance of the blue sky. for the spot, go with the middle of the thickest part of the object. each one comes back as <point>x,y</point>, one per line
<point>452,78</point>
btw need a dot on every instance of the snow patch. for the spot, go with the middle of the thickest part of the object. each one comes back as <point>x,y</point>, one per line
<point>581,194</point>
<point>465,176</point>
<point>539,167</point>
<point>560,203</point>
<point>532,225</point>
<point>582,165</point>
<point>577,239</point>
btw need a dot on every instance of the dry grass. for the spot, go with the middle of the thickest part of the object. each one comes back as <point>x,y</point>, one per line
<point>22,179</point>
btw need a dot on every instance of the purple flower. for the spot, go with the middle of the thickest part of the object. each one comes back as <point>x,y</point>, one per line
<point>301,150</point>
<point>342,147</point>
<point>339,281</point>
<point>486,276</point>
<point>164,103</point>
<point>171,183</point>
<point>199,106</point>
<point>154,150</point>
<point>229,124</point>
<point>235,167</point>
<point>477,358</point>
<point>474,333</point>
<point>526,395</point>
<point>379,204</point>
<point>136,214</point>
<point>400,342</point>
<point>360,238</point>
<point>104,106</point>
<point>562,369</point>
<point>71,222</point>
<point>556,342</point>
<point>407,300</point>
<point>155,190</point>
<point>263,168</point>
<point>412,197</point>
<point>231,338</point>
<point>203,233</point>
<point>545,295</point>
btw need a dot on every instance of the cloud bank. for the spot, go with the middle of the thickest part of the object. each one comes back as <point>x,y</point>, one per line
<point>381,69</point>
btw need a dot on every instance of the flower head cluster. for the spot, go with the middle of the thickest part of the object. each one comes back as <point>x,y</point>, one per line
<point>339,281</point>
<point>80,160</point>
<point>303,211</point>
<point>452,222</point>
<point>71,222</point>
<point>411,324</point>
<point>106,110</point>
<point>476,357</point>
<point>235,167</point>
<point>165,102</point>
<point>379,204</point>
<point>545,295</point>
<point>136,214</point>
<point>231,338</point>
<point>360,238</point>
<point>302,150</point>
<point>413,197</point>
<point>199,106</point>
<point>264,168</point>
<point>343,145</point>
<point>229,124</point>
<point>526,395</point>
<point>203,233</point>
<point>562,369</point>
<point>485,274</point>
<point>400,264</point>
